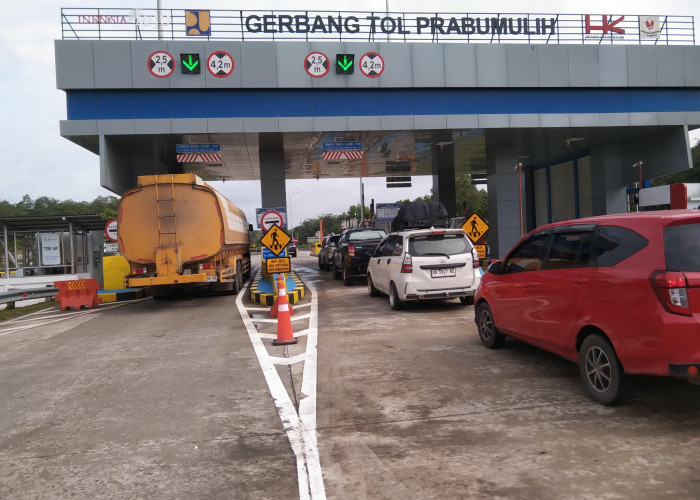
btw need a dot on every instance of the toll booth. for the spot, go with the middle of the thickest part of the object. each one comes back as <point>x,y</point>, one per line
<point>48,248</point>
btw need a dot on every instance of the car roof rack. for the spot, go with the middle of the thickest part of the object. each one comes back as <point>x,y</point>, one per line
<point>421,215</point>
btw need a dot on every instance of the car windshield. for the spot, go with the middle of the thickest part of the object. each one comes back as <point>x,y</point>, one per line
<point>682,247</point>
<point>366,235</point>
<point>438,244</point>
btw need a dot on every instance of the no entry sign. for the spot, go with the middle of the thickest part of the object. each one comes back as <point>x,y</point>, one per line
<point>111,230</point>
<point>270,218</point>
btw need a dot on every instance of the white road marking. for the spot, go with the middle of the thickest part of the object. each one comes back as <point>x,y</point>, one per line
<point>300,427</point>
<point>274,320</point>
<point>65,315</point>
<point>300,333</point>
<point>288,361</point>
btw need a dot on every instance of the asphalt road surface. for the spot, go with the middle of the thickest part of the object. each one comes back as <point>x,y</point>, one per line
<point>166,399</point>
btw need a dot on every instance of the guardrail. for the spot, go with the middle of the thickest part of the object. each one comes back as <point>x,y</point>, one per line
<point>13,296</point>
<point>245,25</point>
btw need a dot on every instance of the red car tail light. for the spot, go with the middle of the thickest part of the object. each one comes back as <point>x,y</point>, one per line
<point>670,287</point>
<point>351,251</point>
<point>407,264</point>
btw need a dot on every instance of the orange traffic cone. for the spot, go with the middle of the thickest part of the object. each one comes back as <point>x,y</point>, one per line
<point>285,335</point>
<point>280,285</point>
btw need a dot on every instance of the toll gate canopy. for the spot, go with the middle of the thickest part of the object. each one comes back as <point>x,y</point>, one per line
<point>574,100</point>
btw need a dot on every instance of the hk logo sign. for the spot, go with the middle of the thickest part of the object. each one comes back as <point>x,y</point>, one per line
<point>608,26</point>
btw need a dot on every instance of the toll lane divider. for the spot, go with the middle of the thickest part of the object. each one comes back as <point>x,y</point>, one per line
<point>123,294</point>
<point>262,294</point>
<point>300,426</point>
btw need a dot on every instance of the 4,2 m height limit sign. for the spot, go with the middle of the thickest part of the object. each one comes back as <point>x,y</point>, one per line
<point>220,64</point>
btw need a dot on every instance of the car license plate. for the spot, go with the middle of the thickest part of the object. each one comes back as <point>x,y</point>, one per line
<point>212,278</point>
<point>443,273</point>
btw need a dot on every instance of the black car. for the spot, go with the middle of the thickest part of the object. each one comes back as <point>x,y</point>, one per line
<point>291,249</point>
<point>325,254</point>
<point>355,246</point>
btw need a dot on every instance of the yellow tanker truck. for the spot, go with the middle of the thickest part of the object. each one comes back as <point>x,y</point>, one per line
<point>176,231</point>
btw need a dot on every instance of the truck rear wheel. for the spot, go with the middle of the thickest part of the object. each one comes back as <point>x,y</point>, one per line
<point>239,279</point>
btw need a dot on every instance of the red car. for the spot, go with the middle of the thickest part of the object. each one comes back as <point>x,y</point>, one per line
<point>619,294</point>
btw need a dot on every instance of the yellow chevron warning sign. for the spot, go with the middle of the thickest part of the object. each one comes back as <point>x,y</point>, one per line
<point>77,285</point>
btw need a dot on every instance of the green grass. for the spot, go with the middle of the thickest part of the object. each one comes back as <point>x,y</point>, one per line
<point>6,313</point>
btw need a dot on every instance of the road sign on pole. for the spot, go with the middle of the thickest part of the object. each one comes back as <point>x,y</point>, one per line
<point>270,218</point>
<point>111,230</point>
<point>275,239</point>
<point>475,227</point>
<point>278,265</point>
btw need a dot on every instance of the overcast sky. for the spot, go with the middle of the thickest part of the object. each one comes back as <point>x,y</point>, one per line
<point>37,161</point>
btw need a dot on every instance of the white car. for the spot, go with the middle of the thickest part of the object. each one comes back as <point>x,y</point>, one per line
<point>422,264</point>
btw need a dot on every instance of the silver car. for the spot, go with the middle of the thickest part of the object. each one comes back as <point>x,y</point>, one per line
<point>423,264</point>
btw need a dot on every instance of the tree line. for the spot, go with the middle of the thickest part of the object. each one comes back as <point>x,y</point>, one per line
<point>105,206</point>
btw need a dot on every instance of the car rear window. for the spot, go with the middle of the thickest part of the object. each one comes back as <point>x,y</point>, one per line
<point>614,244</point>
<point>366,235</point>
<point>682,247</point>
<point>570,250</point>
<point>442,244</point>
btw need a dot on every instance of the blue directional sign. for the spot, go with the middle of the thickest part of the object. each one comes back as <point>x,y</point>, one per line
<point>342,146</point>
<point>267,254</point>
<point>198,148</point>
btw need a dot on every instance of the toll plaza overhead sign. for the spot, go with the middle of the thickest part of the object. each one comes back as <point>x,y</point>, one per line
<point>275,239</point>
<point>198,148</point>
<point>475,227</point>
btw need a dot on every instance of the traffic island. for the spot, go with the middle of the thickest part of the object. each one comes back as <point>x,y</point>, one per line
<point>263,292</point>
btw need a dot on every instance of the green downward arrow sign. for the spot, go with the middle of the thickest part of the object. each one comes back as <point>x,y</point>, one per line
<point>189,64</point>
<point>345,64</point>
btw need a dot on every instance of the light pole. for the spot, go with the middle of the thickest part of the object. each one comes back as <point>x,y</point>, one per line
<point>519,166</point>
<point>289,199</point>
<point>639,193</point>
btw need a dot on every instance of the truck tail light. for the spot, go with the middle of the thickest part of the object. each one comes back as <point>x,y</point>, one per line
<point>206,265</point>
<point>351,250</point>
<point>407,264</point>
<point>670,287</point>
<point>138,270</point>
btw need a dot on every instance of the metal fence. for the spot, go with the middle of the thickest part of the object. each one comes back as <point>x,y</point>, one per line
<point>14,296</point>
<point>240,25</point>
